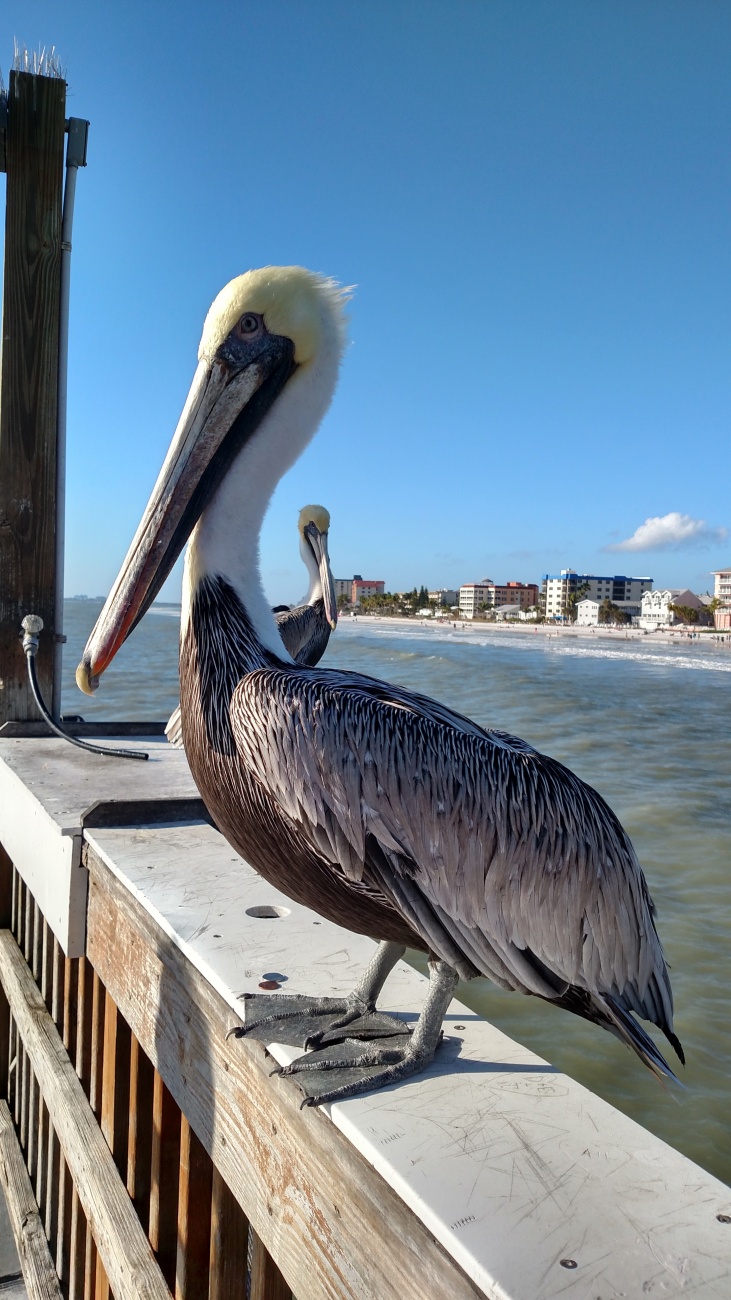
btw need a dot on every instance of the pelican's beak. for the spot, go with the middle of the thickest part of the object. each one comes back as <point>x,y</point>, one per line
<point>318,542</point>
<point>228,399</point>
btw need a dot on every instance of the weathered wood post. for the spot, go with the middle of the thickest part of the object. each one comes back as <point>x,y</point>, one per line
<point>34,156</point>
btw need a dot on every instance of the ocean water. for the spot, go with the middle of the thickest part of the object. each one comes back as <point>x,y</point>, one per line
<point>649,726</point>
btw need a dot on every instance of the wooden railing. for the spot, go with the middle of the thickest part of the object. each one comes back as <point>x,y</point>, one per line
<point>200,1237</point>
<point>164,1159</point>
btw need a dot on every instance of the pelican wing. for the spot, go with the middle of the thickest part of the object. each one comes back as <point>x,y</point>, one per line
<point>502,859</point>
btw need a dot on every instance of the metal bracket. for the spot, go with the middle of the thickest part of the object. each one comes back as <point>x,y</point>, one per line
<point>77,129</point>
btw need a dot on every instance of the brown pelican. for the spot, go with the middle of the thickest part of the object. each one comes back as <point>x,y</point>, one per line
<point>305,627</point>
<point>379,808</point>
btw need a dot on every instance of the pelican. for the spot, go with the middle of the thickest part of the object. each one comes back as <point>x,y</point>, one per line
<point>377,807</point>
<point>305,627</point>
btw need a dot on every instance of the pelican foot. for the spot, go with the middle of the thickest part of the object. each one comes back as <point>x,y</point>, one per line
<point>303,1021</point>
<point>350,1068</point>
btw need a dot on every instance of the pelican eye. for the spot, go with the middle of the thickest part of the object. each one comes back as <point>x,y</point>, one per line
<point>249,324</point>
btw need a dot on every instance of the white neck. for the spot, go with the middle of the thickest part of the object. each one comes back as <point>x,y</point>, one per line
<point>314,591</point>
<point>225,541</point>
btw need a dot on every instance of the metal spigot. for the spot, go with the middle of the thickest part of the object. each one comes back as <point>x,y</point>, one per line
<point>32,626</point>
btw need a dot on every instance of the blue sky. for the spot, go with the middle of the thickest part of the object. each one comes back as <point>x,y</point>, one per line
<point>533,201</point>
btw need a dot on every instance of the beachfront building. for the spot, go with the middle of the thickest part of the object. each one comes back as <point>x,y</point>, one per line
<point>558,591</point>
<point>356,587</point>
<point>474,597</point>
<point>722,592</point>
<point>722,588</point>
<point>656,612</point>
<point>360,587</point>
<point>477,598</point>
<point>587,611</point>
<point>444,596</point>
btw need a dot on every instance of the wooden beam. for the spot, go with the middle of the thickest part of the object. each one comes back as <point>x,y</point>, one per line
<point>39,1275</point>
<point>314,1201</point>
<point>123,1247</point>
<point>29,380</point>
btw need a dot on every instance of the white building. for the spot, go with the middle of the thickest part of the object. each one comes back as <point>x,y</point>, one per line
<point>444,596</point>
<point>557,588</point>
<point>587,611</point>
<point>722,589</point>
<point>722,592</point>
<point>474,597</point>
<point>656,610</point>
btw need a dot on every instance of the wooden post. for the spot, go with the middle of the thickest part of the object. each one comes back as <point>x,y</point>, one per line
<point>229,1244</point>
<point>194,1217</point>
<point>267,1282</point>
<point>34,151</point>
<point>165,1174</point>
<point>139,1147</point>
<point>6,916</point>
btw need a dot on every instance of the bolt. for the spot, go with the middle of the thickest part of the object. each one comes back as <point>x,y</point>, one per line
<point>568,1263</point>
<point>724,1218</point>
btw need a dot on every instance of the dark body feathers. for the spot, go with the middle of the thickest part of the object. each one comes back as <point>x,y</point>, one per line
<point>395,817</point>
<point>305,632</point>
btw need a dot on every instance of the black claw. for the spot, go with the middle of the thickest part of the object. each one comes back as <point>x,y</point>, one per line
<point>277,1070</point>
<point>307,1101</point>
<point>238,1031</point>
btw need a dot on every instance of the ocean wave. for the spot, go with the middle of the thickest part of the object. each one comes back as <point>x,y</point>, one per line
<point>685,656</point>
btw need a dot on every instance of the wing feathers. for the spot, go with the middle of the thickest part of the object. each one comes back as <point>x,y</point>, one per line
<point>503,860</point>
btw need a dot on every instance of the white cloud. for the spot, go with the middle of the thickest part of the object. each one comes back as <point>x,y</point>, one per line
<point>669,533</point>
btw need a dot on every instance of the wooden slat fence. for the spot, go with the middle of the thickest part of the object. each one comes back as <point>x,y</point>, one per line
<point>163,1159</point>
<point>204,1246</point>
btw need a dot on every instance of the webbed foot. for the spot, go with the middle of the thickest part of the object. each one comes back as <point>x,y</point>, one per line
<point>352,1067</point>
<point>304,1021</point>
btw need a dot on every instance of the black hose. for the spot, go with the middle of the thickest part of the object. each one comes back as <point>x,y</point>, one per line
<point>73,740</point>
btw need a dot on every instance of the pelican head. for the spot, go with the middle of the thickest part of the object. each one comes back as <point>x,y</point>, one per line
<point>269,335</point>
<point>313,525</point>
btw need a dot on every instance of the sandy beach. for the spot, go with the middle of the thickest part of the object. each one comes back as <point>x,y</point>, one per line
<point>702,637</point>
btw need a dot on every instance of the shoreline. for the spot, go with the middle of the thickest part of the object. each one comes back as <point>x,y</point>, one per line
<point>692,639</point>
<point>706,637</point>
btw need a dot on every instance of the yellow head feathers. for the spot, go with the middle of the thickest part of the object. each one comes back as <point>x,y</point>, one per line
<point>316,515</point>
<point>298,304</point>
